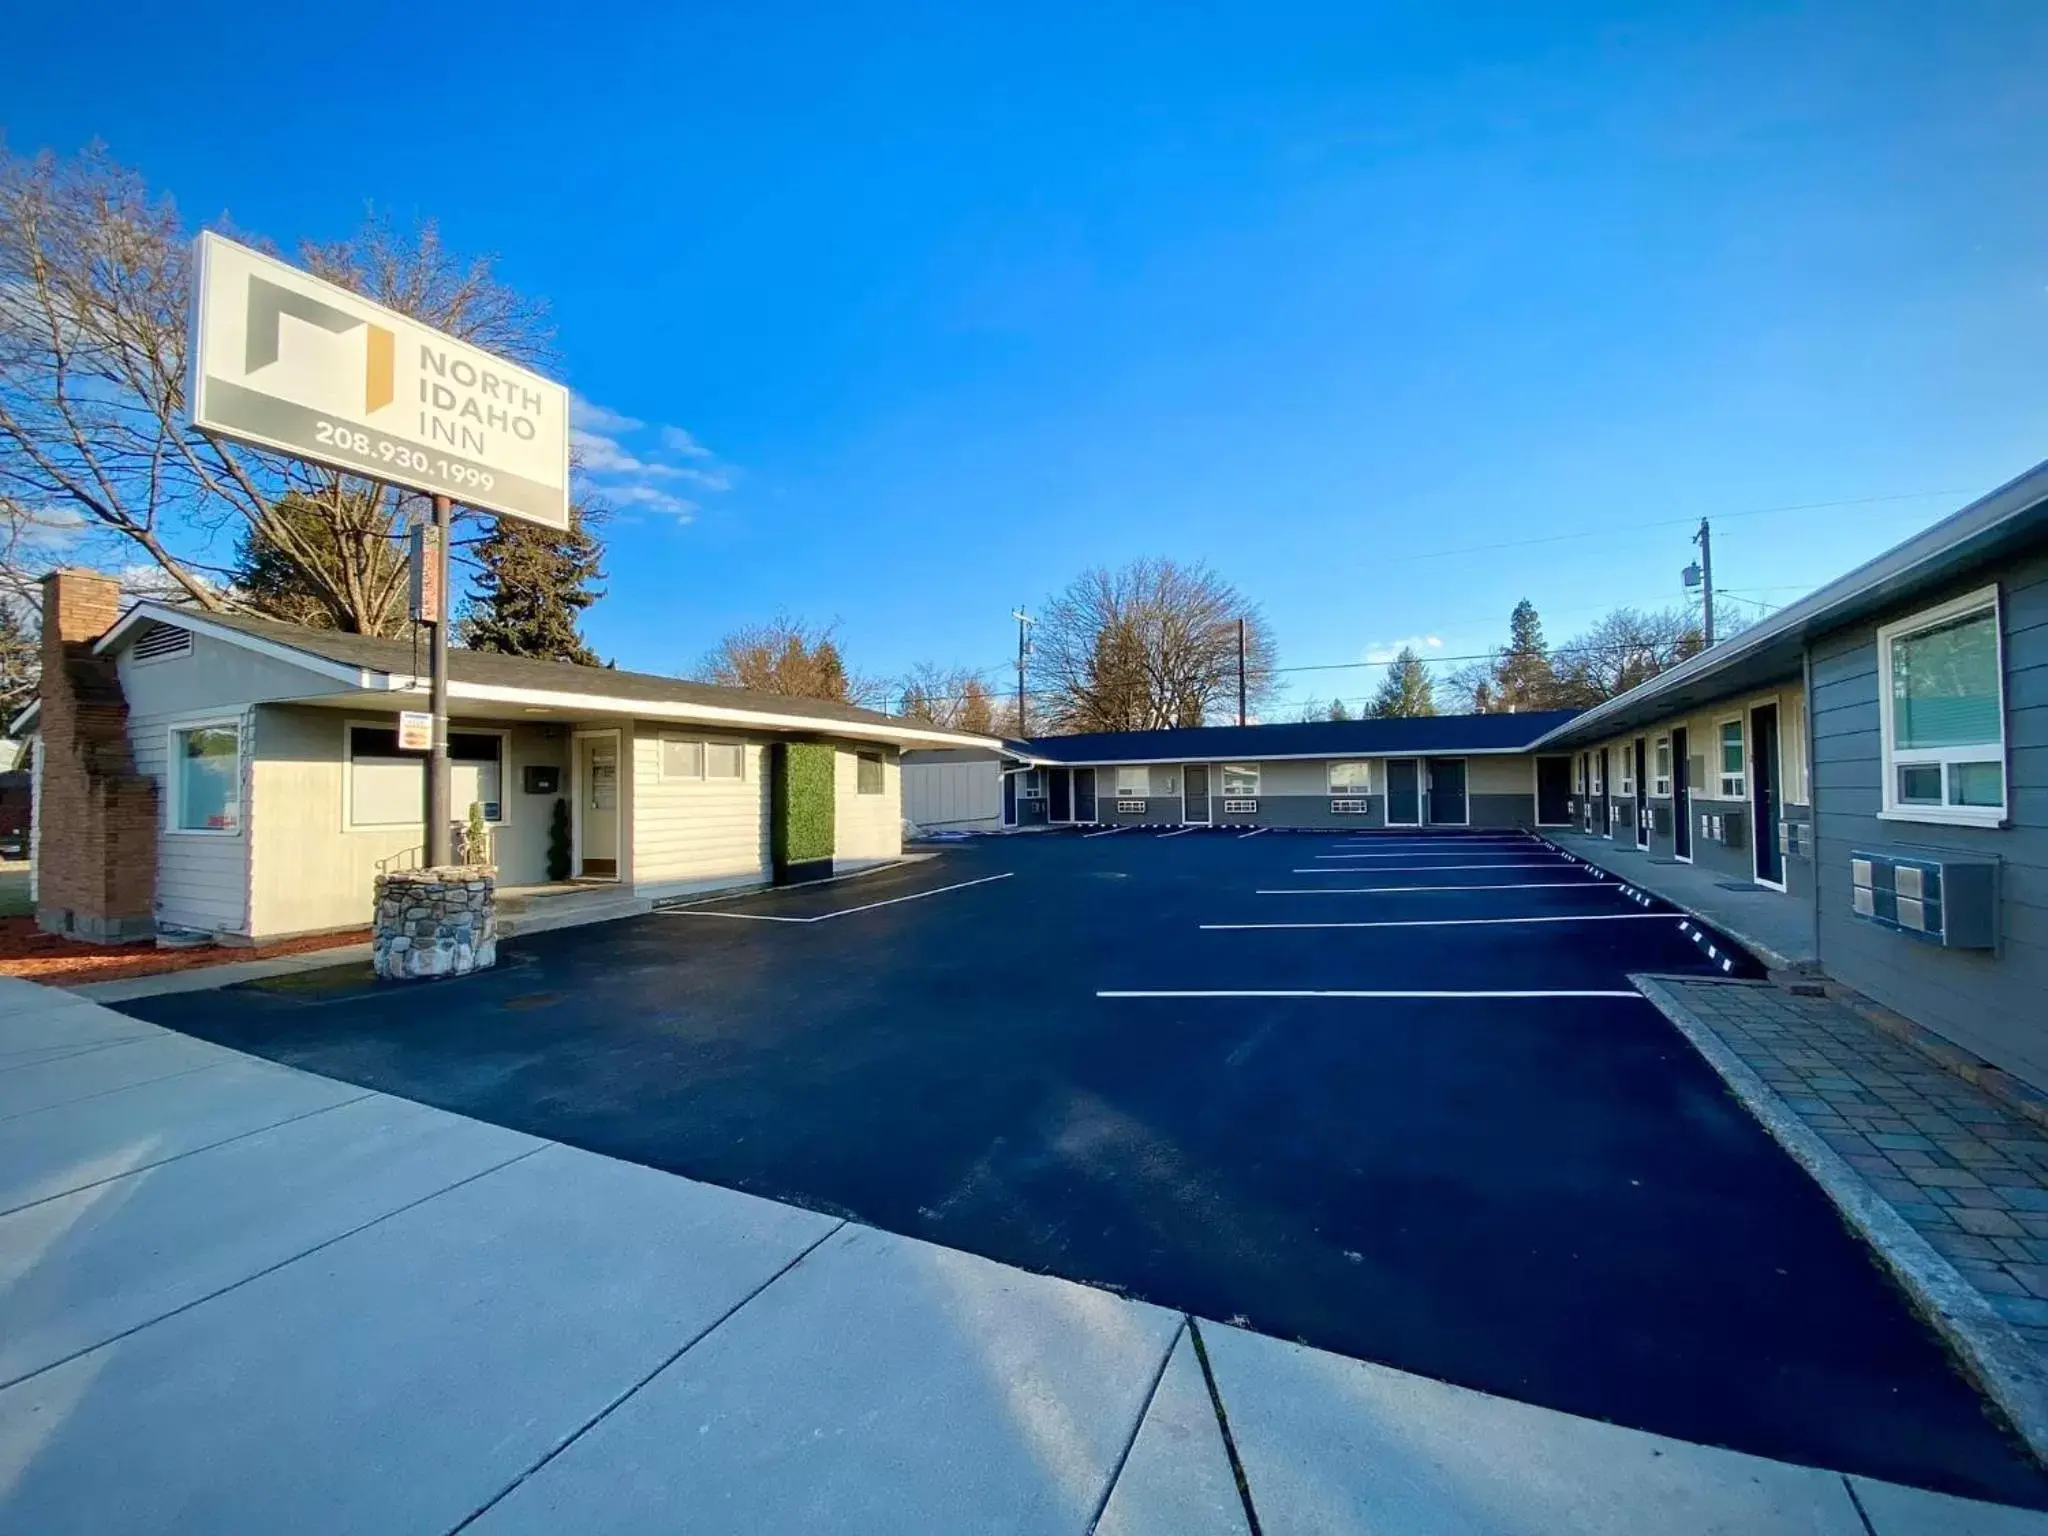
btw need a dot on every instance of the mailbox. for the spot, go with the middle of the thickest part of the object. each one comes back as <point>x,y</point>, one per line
<point>1952,902</point>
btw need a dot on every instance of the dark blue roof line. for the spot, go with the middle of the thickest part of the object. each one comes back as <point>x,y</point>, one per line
<point>1418,735</point>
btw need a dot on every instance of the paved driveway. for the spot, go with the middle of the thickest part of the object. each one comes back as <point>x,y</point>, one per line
<point>1392,1097</point>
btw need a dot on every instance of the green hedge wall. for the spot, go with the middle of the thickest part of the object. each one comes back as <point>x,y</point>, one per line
<point>803,827</point>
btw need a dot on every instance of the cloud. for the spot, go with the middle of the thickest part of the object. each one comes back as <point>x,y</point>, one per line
<point>633,465</point>
<point>679,440</point>
<point>1387,650</point>
<point>590,416</point>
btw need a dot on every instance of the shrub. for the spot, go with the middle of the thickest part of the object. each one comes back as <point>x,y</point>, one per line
<point>803,831</point>
<point>558,842</point>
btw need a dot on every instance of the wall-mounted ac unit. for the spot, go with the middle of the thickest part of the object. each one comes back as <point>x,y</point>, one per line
<point>1130,807</point>
<point>1350,807</point>
<point>1795,839</point>
<point>1240,807</point>
<point>1950,902</point>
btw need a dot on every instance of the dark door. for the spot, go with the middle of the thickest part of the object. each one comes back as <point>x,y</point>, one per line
<point>1059,789</point>
<point>1681,795</point>
<point>1763,796</point>
<point>1553,791</point>
<point>1603,804</point>
<point>1447,791</point>
<point>1195,787</point>
<point>1642,795</point>
<point>1585,791</point>
<point>1404,793</point>
<point>1009,799</point>
<point>1084,794</point>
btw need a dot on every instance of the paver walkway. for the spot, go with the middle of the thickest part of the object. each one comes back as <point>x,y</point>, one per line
<point>1966,1173</point>
<point>236,1297</point>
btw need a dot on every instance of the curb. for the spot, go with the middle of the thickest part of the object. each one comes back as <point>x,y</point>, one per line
<point>2009,1370</point>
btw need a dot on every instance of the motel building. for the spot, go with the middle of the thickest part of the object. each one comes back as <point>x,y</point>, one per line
<point>225,777</point>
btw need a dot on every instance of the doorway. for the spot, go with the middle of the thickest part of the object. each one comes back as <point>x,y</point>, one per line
<point>1553,791</point>
<point>1681,797</point>
<point>1084,794</point>
<point>1404,793</point>
<point>596,798</point>
<point>1195,790</point>
<point>1059,792</point>
<point>1009,799</point>
<point>1763,795</point>
<point>1603,801</point>
<point>1447,792</point>
<point>1642,806</point>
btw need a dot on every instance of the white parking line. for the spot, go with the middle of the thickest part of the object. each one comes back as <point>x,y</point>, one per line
<point>763,917</point>
<point>1183,832</point>
<point>1466,922</point>
<point>1375,890</point>
<point>1418,853</point>
<point>1255,831</point>
<point>1416,869</point>
<point>1306,992</point>
<point>1105,832</point>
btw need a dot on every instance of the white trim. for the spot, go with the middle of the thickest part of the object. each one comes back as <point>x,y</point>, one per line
<point>1774,702</point>
<point>1224,770</point>
<point>1944,757</point>
<point>1208,794</point>
<point>1350,791</point>
<point>1660,787</point>
<point>184,618</point>
<point>1682,770</point>
<point>1263,757</point>
<point>703,774</point>
<point>1387,768</point>
<point>174,772</point>
<point>1465,769</point>
<point>1740,720</point>
<point>622,827</point>
<point>348,776</point>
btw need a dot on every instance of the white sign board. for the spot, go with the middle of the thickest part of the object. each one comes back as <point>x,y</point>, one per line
<point>287,361</point>
<point>415,731</point>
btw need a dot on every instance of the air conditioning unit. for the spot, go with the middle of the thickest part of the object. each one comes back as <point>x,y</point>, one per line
<point>1795,839</point>
<point>1130,807</point>
<point>1350,807</point>
<point>1240,807</point>
<point>1950,902</point>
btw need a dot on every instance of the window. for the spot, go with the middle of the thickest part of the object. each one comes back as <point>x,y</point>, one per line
<point>1734,776</point>
<point>1240,779</point>
<point>1800,788</point>
<point>1628,769</point>
<point>867,773</point>
<point>1660,783</point>
<point>1351,778</point>
<point>387,787</point>
<point>1579,774</point>
<point>683,759</point>
<point>1944,713</point>
<point>206,775</point>
<point>1599,761</point>
<point>1031,784</point>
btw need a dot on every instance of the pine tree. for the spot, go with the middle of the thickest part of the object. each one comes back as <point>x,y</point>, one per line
<point>1523,676</point>
<point>1406,689</point>
<point>1338,711</point>
<point>279,584</point>
<point>532,589</point>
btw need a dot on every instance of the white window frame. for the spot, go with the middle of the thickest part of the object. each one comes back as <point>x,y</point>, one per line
<point>665,739</point>
<point>456,812</point>
<point>1628,768</point>
<point>174,774</point>
<point>1243,771</point>
<point>1031,784</point>
<point>865,755</point>
<point>1798,761</point>
<point>1596,762</point>
<point>1660,767</point>
<point>1348,791</point>
<point>1721,773</point>
<point>1143,780</point>
<point>1893,760</point>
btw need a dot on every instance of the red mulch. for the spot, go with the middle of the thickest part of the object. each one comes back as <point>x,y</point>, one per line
<point>28,952</point>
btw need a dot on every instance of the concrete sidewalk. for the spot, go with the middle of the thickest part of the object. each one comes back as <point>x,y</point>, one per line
<point>1776,928</point>
<point>238,1298</point>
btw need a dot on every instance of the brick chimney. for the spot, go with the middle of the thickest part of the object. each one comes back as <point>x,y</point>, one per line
<point>96,816</point>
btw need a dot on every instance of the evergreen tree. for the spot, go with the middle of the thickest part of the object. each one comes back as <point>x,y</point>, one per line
<point>1338,711</point>
<point>1406,689</point>
<point>532,589</point>
<point>1523,675</point>
<point>351,544</point>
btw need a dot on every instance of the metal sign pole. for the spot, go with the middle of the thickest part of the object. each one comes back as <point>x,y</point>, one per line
<point>440,845</point>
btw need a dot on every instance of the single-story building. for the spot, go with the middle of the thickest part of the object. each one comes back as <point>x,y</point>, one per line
<point>238,777</point>
<point>1877,752</point>
<point>1421,771</point>
<point>953,789</point>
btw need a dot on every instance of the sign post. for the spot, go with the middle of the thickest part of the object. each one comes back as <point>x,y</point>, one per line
<point>290,363</point>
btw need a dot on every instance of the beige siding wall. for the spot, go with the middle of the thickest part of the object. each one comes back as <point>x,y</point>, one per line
<point>1514,775</point>
<point>1703,729</point>
<point>696,835</point>
<point>869,827</point>
<point>309,871</point>
<point>202,878</point>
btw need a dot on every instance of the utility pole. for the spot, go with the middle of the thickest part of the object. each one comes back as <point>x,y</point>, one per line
<point>1705,539</point>
<point>1240,671</point>
<point>440,845</point>
<point>1023,653</point>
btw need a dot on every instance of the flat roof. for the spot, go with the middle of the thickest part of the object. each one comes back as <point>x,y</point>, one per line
<point>1404,736</point>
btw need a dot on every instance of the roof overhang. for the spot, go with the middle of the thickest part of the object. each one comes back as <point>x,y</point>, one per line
<point>1029,759</point>
<point>1773,650</point>
<point>400,688</point>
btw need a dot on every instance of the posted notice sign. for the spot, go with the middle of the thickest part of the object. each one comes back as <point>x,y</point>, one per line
<point>415,731</point>
<point>287,361</point>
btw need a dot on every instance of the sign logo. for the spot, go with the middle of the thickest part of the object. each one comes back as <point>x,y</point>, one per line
<point>267,302</point>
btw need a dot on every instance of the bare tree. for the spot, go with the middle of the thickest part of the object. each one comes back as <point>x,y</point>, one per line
<point>94,320</point>
<point>786,656</point>
<point>1628,647</point>
<point>1151,645</point>
<point>952,697</point>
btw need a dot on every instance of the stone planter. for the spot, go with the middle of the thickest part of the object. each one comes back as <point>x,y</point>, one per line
<point>435,922</point>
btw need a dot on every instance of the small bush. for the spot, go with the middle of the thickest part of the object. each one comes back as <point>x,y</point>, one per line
<point>558,842</point>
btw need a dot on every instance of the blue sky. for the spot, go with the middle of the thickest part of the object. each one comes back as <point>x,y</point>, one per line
<point>925,310</point>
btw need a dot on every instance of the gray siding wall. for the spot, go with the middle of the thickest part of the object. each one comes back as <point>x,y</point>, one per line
<point>1990,1003</point>
<point>1500,792</point>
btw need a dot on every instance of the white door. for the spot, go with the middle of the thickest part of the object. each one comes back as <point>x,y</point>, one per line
<point>597,806</point>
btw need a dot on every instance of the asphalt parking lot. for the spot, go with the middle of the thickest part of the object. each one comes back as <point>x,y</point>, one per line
<point>1390,1095</point>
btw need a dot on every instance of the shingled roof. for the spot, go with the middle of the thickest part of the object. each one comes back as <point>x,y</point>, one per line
<point>1408,736</point>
